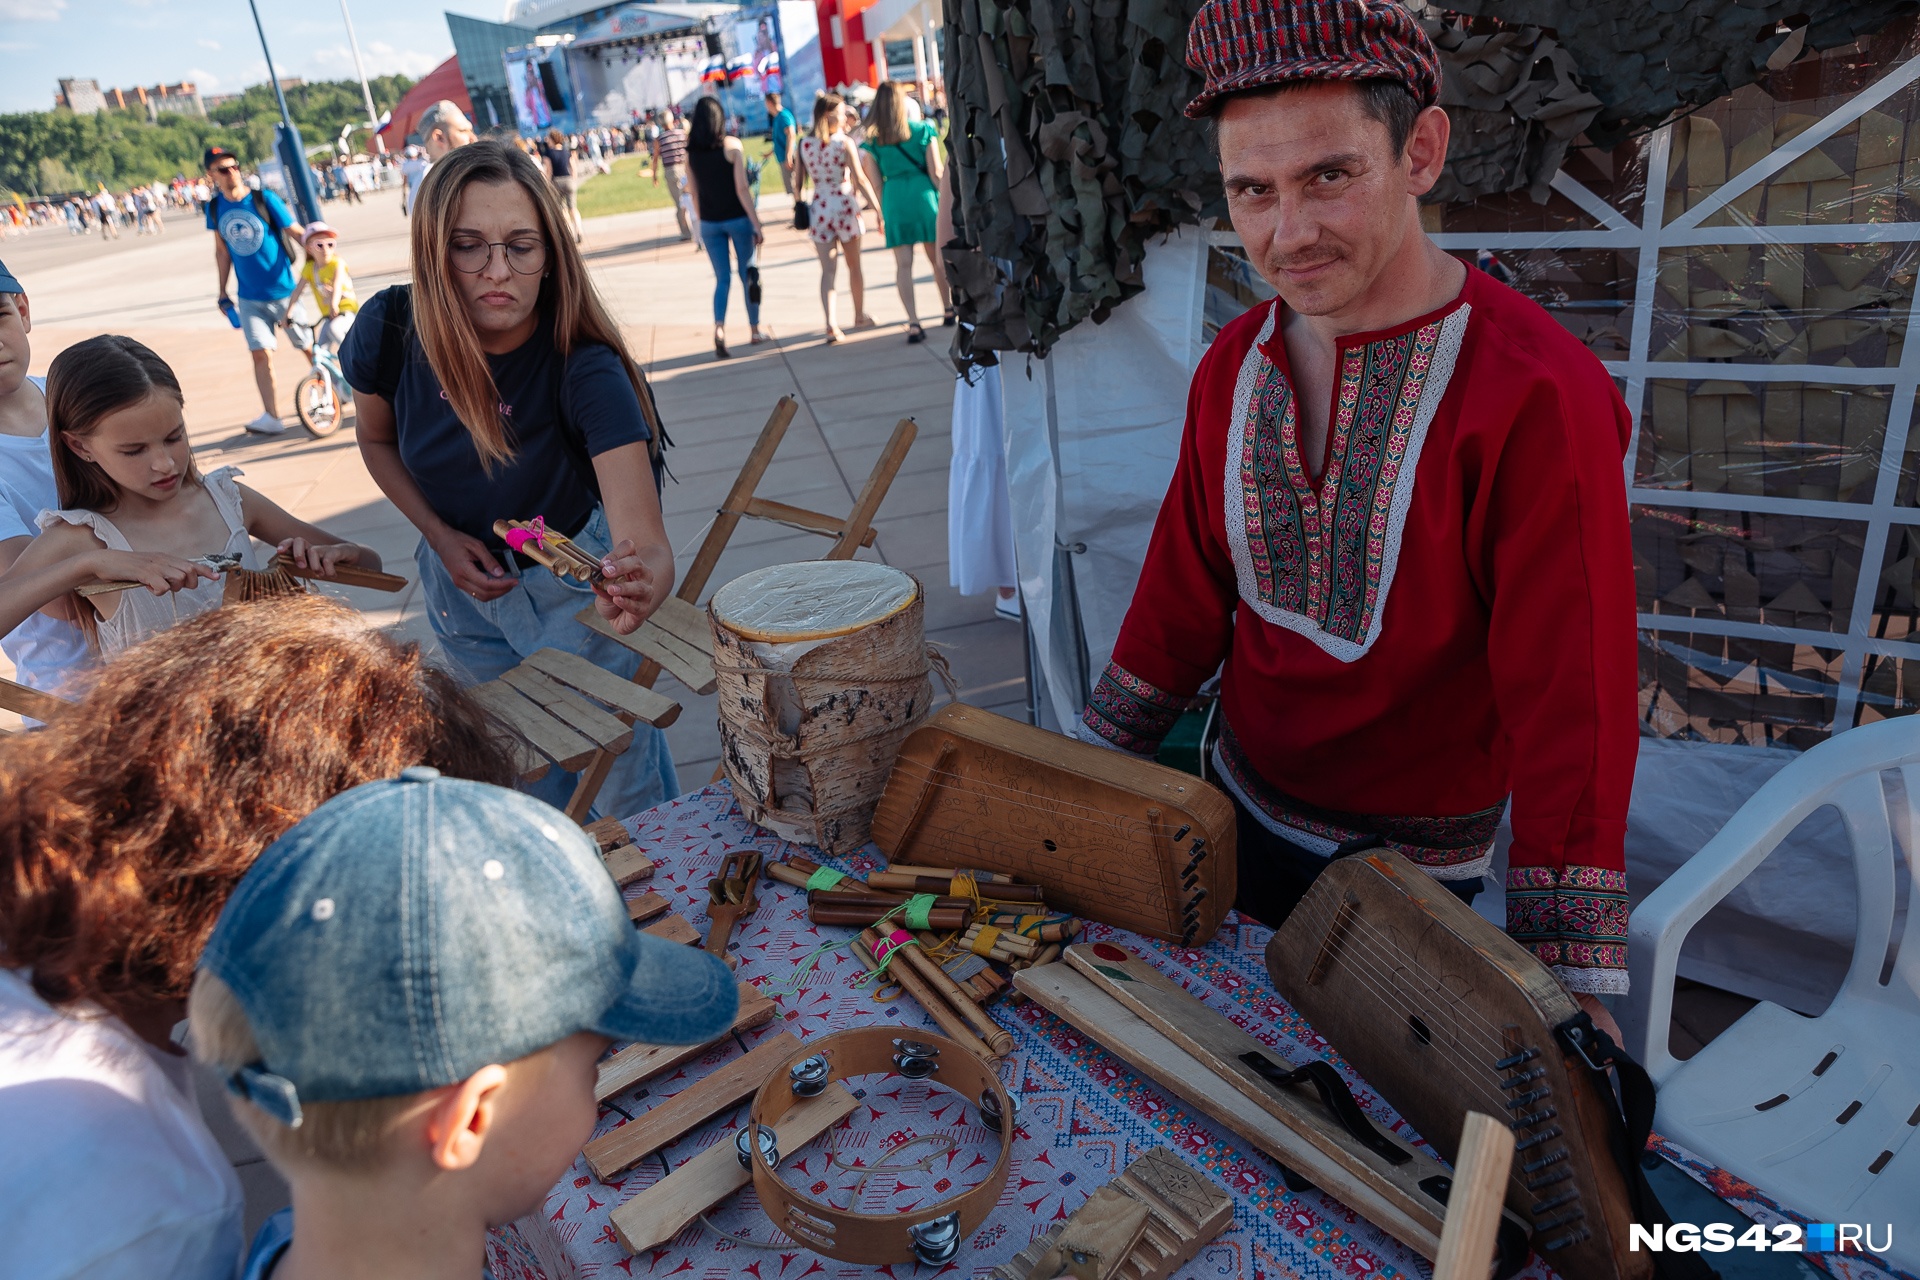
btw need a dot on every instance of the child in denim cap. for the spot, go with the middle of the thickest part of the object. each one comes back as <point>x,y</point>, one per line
<point>409,994</point>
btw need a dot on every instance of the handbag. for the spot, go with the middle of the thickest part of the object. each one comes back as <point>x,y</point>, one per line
<point>802,215</point>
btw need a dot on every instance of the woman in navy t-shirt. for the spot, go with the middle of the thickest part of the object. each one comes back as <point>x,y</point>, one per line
<point>507,393</point>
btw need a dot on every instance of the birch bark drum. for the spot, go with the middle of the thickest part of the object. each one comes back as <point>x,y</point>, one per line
<point>822,670</point>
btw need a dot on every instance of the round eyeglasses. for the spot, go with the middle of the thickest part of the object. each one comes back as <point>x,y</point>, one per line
<point>526,255</point>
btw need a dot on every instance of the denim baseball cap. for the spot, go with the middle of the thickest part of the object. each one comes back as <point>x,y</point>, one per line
<point>409,932</point>
<point>7,283</point>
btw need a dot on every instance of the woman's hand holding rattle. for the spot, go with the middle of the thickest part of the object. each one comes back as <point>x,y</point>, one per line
<point>630,593</point>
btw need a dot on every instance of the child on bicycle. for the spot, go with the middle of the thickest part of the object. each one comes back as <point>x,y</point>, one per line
<point>326,274</point>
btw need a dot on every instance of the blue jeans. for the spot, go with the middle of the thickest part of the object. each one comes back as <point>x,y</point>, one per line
<point>485,639</point>
<point>715,236</point>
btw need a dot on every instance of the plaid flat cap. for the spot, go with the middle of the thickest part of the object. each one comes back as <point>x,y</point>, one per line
<point>1250,44</point>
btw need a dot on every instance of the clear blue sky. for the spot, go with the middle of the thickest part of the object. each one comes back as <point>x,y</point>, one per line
<point>123,43</point>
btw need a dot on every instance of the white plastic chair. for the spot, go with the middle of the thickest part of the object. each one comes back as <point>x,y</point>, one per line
<point>1821,1114</point>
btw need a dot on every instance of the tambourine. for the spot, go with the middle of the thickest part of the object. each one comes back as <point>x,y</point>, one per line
<point>931,1234</point>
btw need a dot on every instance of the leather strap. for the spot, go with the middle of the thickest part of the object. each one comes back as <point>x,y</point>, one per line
<point>874,1239</point>
<point>1629,1126</point>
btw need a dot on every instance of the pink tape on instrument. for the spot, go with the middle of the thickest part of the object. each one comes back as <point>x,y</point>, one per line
<point>537,535</point>
<point>891,943</point>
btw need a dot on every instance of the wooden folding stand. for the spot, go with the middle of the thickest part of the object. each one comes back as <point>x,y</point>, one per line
<point>30,703</point>
<point>561,708</point>
<point>676,638</point>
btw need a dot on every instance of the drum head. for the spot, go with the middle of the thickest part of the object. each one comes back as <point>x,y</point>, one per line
<point>813,600</point>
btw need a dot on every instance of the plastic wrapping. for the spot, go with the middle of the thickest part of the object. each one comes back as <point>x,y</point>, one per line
<point>815,600</point>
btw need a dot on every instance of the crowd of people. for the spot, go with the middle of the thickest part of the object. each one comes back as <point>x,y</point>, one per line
<point>141,209</point>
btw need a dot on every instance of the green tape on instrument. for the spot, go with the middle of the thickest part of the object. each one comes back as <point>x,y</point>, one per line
<point>919,912</point>
<point>824,878</point>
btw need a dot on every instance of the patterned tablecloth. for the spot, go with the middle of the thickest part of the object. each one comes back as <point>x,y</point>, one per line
<point>1084,1115</point>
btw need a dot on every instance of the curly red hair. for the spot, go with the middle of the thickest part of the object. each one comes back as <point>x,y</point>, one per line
<point>128,820</point>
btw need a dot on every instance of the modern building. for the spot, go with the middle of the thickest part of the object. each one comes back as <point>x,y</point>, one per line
<point>173,99</point>
<point>87,97</point>
<point>82,97</point>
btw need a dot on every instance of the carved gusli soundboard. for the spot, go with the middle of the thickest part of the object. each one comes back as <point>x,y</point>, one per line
<point>1444,1014</point>
<point>1111,837</point>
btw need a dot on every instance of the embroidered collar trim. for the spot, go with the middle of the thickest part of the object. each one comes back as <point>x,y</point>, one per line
<point>1321,562</point>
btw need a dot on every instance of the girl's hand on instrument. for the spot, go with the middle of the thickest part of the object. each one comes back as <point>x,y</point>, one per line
<point>319,557</point>
<point>470,565</point>
<point>156,571</point>
<point>629,595</point>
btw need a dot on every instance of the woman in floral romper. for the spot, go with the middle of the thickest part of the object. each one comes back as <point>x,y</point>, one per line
<point>828,160</point>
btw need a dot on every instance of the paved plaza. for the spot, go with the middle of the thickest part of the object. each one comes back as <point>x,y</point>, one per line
<point>161,291</point>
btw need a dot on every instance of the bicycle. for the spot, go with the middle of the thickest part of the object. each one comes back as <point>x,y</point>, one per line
<point>322,396</point>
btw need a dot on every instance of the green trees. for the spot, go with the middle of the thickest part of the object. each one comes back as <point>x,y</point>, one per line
<point>46,153</point>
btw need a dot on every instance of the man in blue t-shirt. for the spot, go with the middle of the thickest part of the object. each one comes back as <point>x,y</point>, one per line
<point>781,127</point>
<point>251,229</point>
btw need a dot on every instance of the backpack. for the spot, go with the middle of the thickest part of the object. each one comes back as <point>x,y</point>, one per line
<point>396,335</point>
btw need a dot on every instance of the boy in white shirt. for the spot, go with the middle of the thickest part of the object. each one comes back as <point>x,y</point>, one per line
<point>44,650</point>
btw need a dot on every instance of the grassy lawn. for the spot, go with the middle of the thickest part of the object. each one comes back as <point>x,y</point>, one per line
<point>629,188</point>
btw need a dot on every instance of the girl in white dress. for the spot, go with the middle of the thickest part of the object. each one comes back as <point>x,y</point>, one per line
<point>127,484</point>
<point>829,161</point>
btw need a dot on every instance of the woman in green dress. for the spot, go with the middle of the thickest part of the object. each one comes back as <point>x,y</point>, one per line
<point>902,158</point>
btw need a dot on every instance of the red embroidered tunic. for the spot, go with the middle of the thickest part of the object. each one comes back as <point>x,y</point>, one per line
<point>1444,619</point>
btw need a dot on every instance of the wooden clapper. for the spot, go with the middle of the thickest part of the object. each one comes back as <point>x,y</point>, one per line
<point>676,639</point>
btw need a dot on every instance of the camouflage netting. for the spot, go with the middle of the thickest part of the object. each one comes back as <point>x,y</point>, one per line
<point>1515,102</point>
<point>1069,152</point>
<point>1646,59</point>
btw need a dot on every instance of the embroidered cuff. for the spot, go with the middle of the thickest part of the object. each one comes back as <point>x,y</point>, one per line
<point>1575,920</point>
<point>1593,982</point>
<point>1129,713</point>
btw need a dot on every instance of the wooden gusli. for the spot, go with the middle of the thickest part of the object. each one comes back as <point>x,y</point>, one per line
<point>1444,1014</point>
<point>1106,835</point>
<point>1388,1167</point>
<point>1289,1124</point>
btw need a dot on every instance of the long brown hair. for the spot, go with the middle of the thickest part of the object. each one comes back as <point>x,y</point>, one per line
<point>128,820</point>
<point>826,115</point>
<point>889,114</point>
<point>567,295</point>
<point>85,383</point>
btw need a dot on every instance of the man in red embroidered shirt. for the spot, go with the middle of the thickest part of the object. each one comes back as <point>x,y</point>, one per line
<point>1398,516</point>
